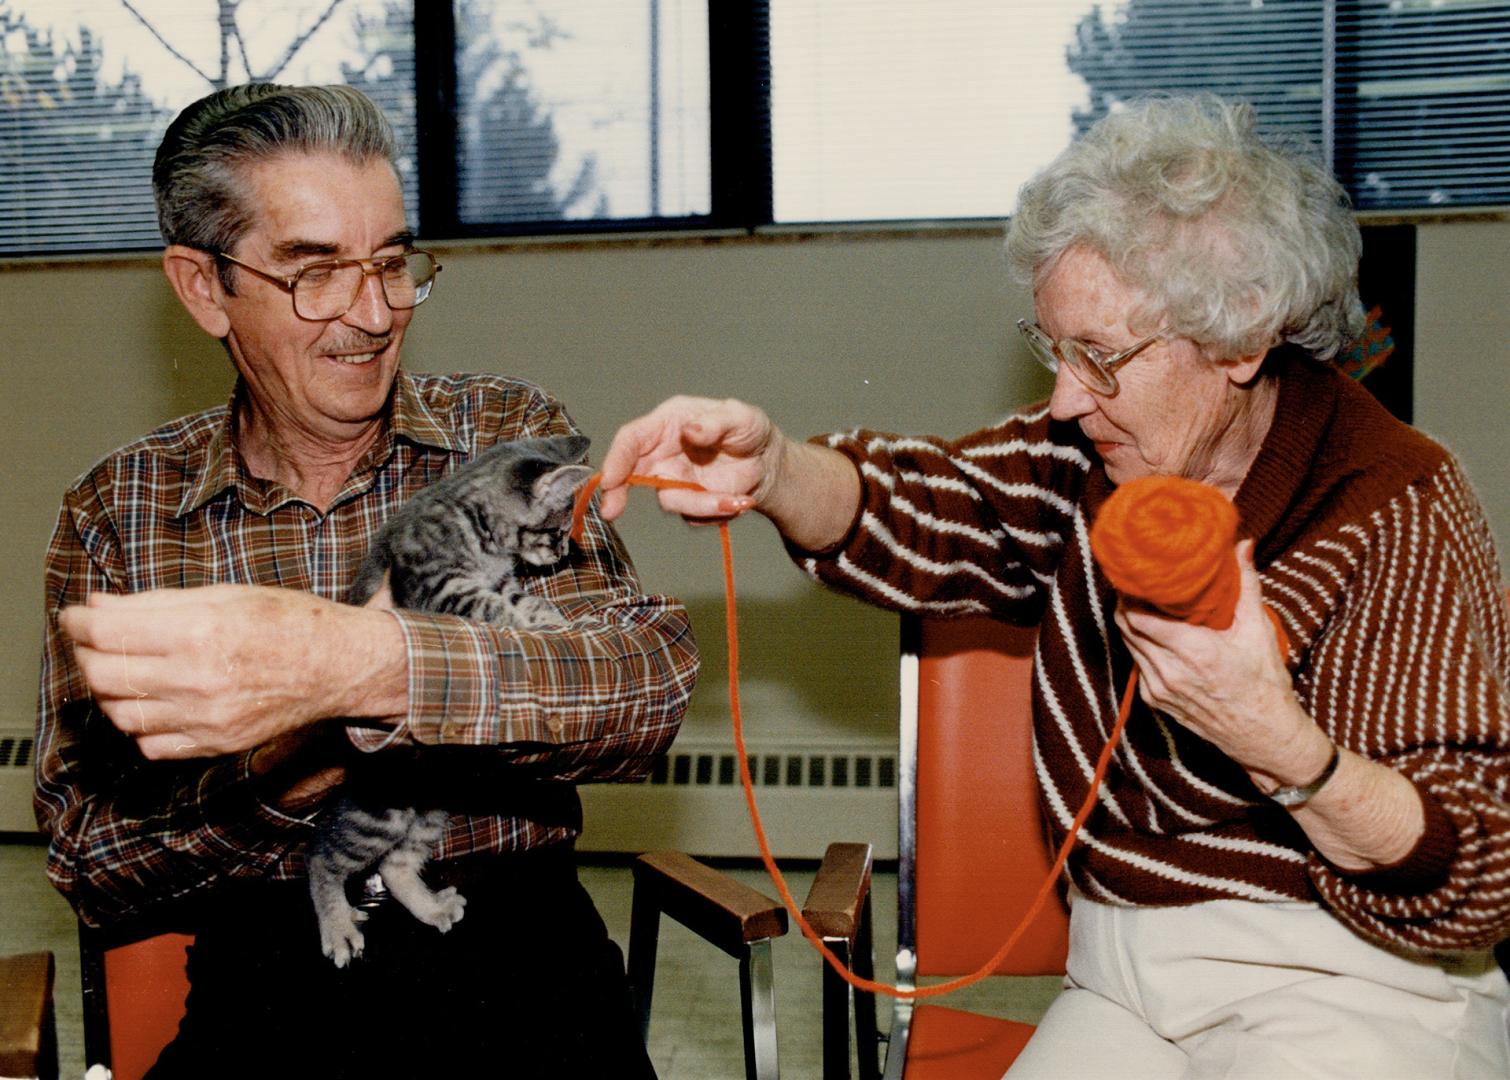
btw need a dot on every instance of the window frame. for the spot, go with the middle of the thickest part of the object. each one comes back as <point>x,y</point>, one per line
<point>741,181</point>
<point>739,117</point>
<point>741,176</point>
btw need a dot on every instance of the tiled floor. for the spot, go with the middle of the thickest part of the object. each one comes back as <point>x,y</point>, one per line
<point>694,1028</point>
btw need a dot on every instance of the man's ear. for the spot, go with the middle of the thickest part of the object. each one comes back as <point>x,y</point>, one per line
<point>196,280</point>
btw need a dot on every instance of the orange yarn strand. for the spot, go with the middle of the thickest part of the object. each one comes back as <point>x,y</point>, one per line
<point>579,510</point>
<point>731,629</point>
<point>1163,540</point>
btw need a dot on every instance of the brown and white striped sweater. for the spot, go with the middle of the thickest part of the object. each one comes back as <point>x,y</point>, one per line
<point>1376,554</point>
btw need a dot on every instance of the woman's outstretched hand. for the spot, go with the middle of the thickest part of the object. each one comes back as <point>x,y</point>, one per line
<point>729,448</point>
<point>743,462</point>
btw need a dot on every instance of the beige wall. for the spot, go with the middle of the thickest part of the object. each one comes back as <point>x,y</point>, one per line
<point>1462,386</point>
<point>905,331</point>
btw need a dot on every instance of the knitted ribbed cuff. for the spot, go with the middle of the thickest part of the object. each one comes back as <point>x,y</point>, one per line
<point>1424,868</point>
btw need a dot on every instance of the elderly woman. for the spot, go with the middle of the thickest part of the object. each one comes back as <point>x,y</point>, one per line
<point>1299,862</point>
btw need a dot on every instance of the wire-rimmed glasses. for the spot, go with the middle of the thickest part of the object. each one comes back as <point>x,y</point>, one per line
<point>1089,366</point>
<point>328,289</point>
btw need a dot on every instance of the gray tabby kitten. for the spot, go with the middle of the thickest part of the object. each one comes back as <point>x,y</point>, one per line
<point>454,548</point>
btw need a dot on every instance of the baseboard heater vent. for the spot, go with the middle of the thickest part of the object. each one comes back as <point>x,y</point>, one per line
<point>842,770</point>
<point>693,801</point>
<point>16,753</point>
<point>809,796</point>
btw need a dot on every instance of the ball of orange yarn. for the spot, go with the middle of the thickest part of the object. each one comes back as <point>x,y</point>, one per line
<point>1168,541</point>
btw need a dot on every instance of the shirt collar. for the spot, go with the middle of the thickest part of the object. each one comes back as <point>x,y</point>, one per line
<point>1281,485</point>
<point>215,466</point>
<point>411,419</point>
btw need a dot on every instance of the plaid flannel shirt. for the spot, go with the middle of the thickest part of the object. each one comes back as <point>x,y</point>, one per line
<point>177,509</point>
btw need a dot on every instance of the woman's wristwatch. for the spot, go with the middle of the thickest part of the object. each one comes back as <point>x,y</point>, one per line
<point>1292,797</point>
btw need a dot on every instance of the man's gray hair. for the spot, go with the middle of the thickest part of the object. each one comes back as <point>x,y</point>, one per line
<point>1239,242</point>
<point>199,176</point>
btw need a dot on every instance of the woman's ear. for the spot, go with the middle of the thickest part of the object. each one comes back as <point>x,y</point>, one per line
<point>196,279</point>
<point>1242,370</point>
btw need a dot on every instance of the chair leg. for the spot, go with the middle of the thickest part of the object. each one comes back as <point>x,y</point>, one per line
<point>837,1001</point>
<point>28,1026</point>
<point>867,1038</point>
<point>644,937</point>
<point>96,1010</point>
<point>757,1000</point>
<point>836,1015</point>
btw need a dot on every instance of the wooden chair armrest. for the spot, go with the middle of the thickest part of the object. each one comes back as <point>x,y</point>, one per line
<point>837,899</point>
<point>709,903</point>
<point>28,1038</point>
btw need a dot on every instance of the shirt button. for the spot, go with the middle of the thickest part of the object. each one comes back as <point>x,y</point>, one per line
<point>556,724</point>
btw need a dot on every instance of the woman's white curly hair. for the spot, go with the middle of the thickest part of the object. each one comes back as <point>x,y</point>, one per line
<point>1239,242</point>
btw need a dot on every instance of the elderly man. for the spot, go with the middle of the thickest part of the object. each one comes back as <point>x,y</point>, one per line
<point>1296,865</point>
<point>204,691</point>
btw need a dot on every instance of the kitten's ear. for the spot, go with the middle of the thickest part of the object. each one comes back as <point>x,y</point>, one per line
<point>559,486</point>
<point>572,447</point>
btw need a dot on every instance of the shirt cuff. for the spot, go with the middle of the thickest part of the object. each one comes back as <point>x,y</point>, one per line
<point>453,682</point>
<point>1424,868</point>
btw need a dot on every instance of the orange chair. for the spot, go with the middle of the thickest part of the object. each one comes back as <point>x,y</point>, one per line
<point>135,988</point>
<point>972,852</point>
<point>134,993</point>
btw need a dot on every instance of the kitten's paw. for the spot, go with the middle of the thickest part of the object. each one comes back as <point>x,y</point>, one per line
<point>340,940</point>
<point>450,906</point>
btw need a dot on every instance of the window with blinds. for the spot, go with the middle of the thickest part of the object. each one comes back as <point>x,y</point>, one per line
<point>88,88</point>
<point>581,110</point>
<point>891,109</point>
<point>580,115</point>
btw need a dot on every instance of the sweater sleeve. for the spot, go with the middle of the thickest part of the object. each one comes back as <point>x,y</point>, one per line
<point>973,526</point>
<point>1415,673</point>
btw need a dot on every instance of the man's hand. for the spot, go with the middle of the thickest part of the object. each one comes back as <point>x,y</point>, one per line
<point>297,771</point>
<point>220,669</point>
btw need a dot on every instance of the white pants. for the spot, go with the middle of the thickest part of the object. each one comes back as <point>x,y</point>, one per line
<point>1232,990</point>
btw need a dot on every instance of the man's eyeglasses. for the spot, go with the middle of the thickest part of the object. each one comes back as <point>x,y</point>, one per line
<point>1090,367</point>
<point>327,290</point>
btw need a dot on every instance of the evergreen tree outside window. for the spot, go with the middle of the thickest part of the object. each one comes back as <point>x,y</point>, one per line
<point>551,116</point>
<point>1409,100</point>
<point>87,88</point>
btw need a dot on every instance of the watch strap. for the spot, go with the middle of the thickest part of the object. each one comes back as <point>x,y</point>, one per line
<point>1293,797</point>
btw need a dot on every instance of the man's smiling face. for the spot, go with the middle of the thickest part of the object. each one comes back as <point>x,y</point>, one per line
<point>319,379</point>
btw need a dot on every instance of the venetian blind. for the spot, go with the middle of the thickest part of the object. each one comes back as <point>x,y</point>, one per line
<point>886,109</point>
<point>87,90</point>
